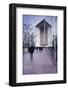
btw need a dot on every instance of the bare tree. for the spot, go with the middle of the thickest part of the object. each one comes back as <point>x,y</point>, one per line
<point>28,35</point>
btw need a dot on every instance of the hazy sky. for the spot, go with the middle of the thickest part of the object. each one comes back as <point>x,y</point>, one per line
<point>35,19</point>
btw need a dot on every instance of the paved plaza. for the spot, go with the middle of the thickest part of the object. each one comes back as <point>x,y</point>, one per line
<point>42,63</point>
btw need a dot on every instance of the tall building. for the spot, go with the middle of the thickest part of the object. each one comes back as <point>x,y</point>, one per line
<point>43,34</point>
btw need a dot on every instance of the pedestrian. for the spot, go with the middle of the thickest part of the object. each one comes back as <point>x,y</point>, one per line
<point>31,51</point>
<point>40,48</point>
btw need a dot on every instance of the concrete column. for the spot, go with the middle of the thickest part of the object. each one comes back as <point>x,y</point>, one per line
<point>44,34</point>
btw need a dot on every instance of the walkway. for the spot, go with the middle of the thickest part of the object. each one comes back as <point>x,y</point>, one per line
<point>42,63</point>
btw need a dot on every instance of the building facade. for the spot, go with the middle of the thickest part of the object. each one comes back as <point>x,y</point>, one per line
<point>43,34</point>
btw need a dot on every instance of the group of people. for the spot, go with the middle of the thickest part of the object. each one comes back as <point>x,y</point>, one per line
<point>31,50</point>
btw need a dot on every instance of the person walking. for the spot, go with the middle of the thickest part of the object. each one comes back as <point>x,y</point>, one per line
<point>31,51</point>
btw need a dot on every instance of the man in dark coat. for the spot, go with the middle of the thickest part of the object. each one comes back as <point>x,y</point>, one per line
<point>31,51</point>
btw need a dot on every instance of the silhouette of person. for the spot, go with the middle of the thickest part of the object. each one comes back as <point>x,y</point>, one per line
<point>31,51</point>
<point>40,48</point>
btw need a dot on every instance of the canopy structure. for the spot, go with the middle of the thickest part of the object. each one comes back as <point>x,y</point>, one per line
<point>42,23</point>
<point>44,28</point>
